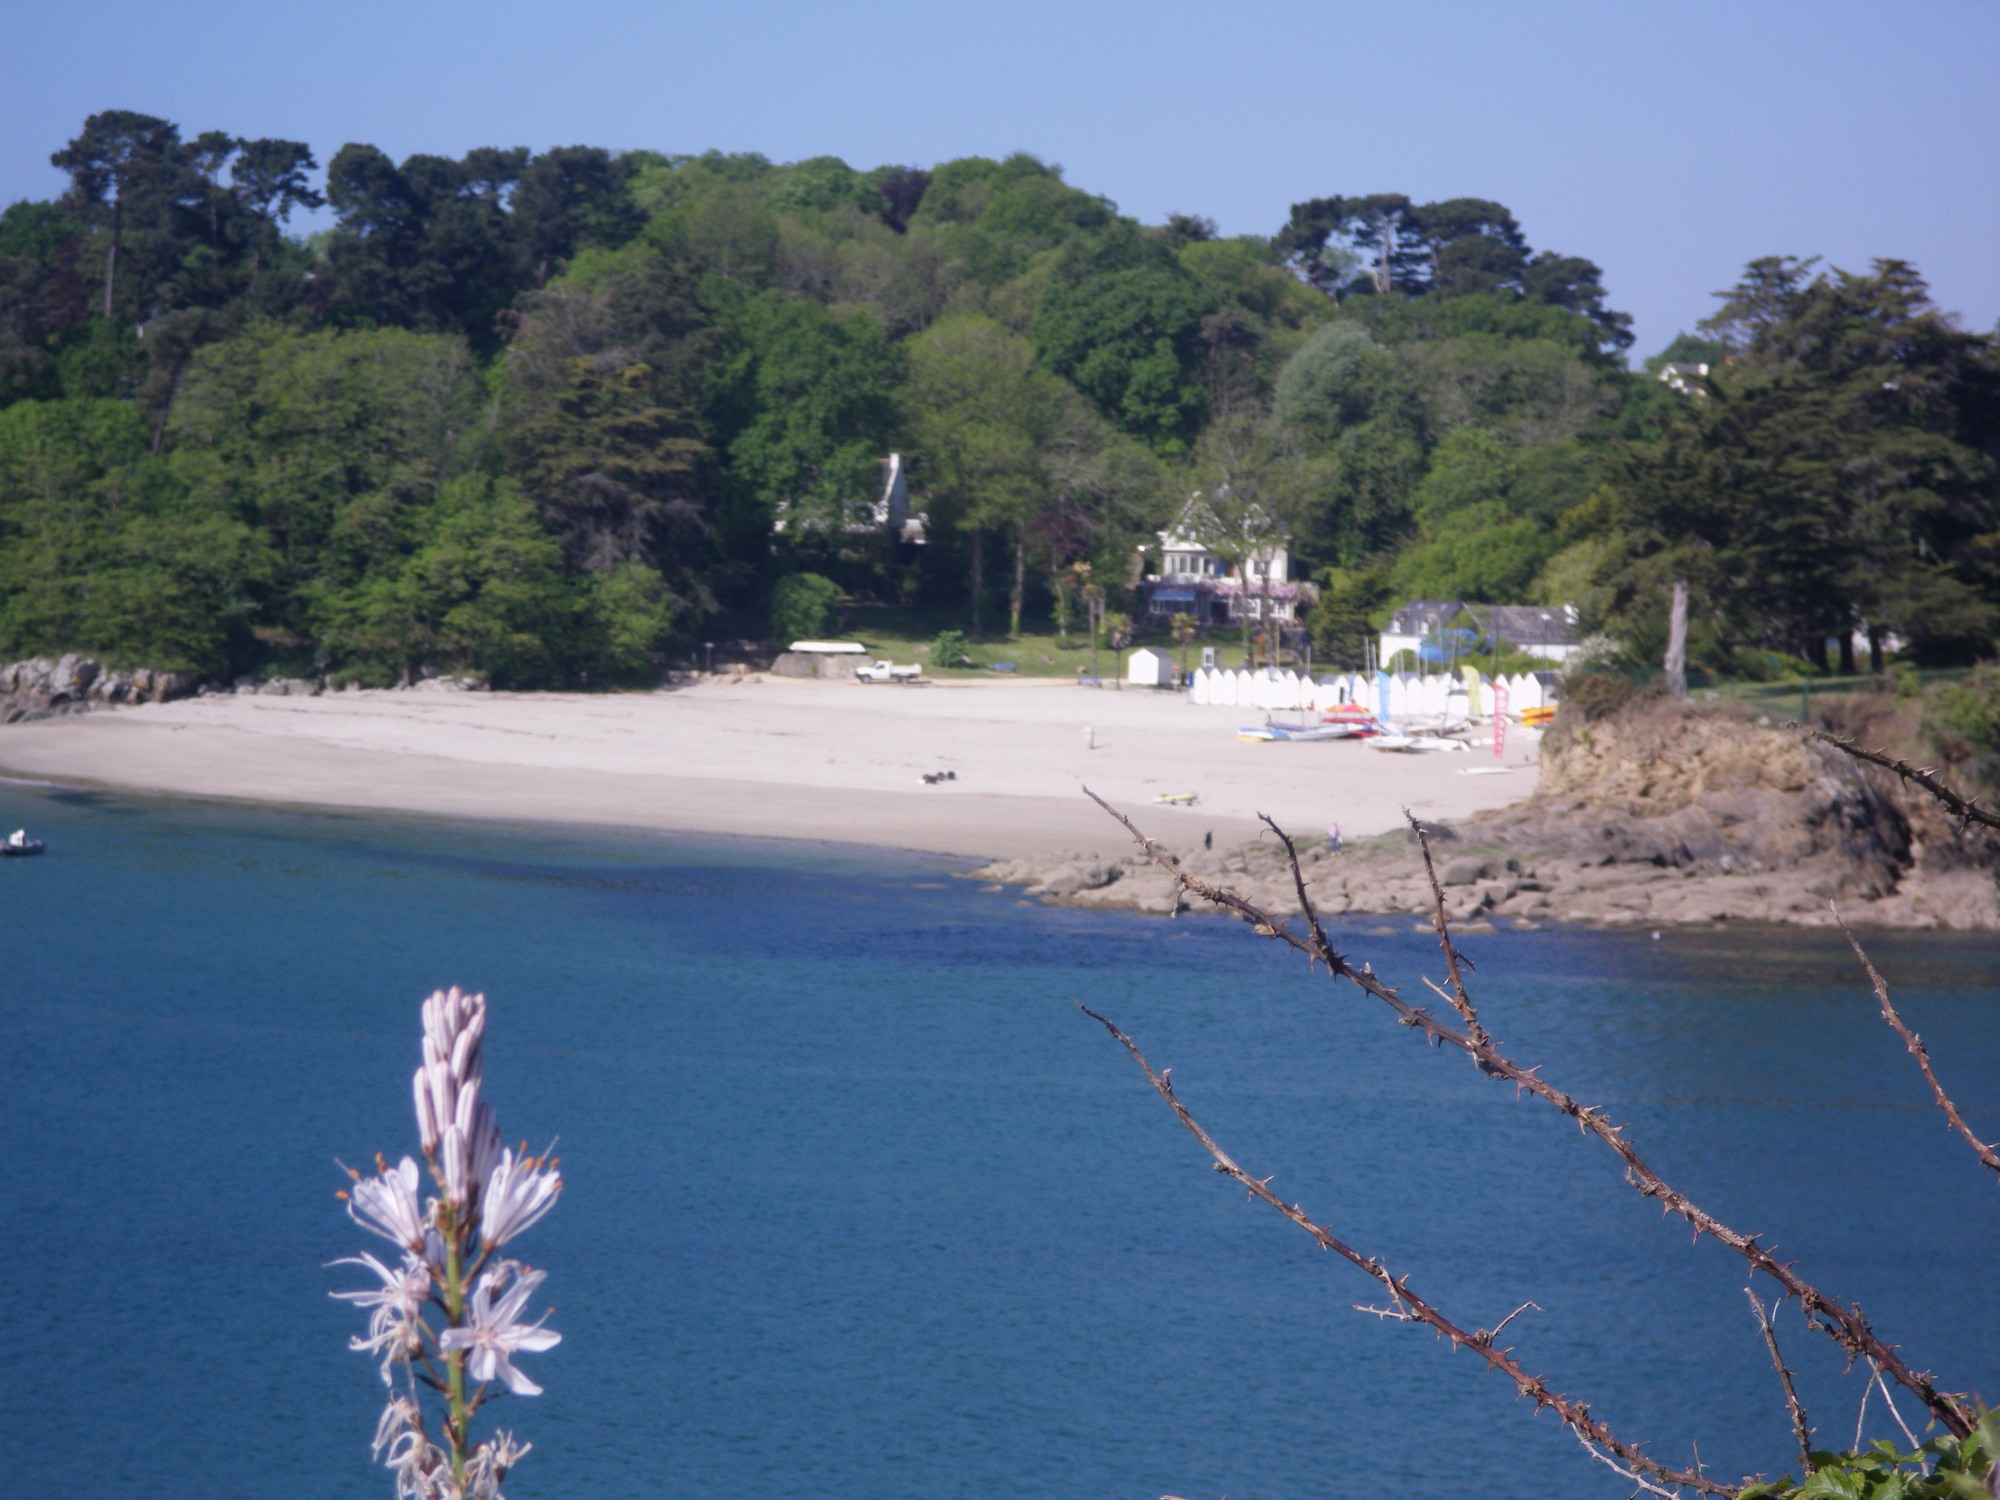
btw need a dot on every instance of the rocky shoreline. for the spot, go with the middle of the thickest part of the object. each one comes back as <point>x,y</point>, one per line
<point>47,688</point>
<point>41,688</point>
<point>1667,814</point>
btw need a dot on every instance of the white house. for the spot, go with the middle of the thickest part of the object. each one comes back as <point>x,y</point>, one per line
<point>889,514</point>
<point>1547,631</point>
<point>1685,378</point>
<point>1195,579</point>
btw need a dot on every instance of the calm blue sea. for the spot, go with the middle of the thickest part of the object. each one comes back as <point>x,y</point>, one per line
<point>859,1205</point>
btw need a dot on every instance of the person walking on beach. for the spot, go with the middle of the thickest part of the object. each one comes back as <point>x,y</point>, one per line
<point>1333,838</point>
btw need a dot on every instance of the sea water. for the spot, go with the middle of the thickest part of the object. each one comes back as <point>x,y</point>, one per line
<point>859,1204</point>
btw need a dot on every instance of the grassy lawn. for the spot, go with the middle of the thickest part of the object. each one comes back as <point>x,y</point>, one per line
<point>1789,691</point>
<point>905,635</point>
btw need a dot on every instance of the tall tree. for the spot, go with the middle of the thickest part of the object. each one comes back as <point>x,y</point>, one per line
<point>126,170</point>
<point>1460,247</point>
<point>568,198</point>
<point>425,245</point>
<point>1381,234</point>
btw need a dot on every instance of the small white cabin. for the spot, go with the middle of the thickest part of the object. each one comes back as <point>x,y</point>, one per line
<point>1150,667</point>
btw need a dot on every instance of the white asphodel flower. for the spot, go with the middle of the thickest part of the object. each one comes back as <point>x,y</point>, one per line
<point>422,1471</point>
<point>489,1464</point>
<point>454,1123</point>
<point>386,1204</point>
<point>395,1309</point>
<point>494,1332</point>
<point>518,1192</point>
<point>447,1086</point>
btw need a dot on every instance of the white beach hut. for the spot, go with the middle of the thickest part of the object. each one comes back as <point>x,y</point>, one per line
<point>1150,667</point>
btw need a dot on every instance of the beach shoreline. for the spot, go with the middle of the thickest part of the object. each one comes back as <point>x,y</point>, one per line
<point>771,758</point>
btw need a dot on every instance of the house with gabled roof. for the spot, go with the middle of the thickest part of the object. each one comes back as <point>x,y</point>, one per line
<point>1221,585</point>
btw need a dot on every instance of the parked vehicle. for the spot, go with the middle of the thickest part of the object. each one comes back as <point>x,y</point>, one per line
<point>882,671</point>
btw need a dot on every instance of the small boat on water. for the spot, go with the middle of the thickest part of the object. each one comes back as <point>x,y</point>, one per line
<point>17,844</point>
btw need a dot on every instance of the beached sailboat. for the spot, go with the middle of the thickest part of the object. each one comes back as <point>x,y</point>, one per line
<point>1278,731</point>
<point>1417,744</point>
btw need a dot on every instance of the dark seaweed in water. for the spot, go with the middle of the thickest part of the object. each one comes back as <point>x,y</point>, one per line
<point>859,1205</point>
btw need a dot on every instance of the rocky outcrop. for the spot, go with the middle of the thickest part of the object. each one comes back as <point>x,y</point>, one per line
<point>44,688</point>
<point>41,688</point>
<point>1708,795</point>
<point>1666,814</point>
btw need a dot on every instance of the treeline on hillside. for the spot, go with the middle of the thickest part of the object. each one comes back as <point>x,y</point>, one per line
<point>549,418</point>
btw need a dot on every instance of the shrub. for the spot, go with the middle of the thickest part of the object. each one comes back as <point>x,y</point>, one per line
<point>803,607</point>
<point>1961,720</point>
<point>1595,695</point>
<point>950,650</point>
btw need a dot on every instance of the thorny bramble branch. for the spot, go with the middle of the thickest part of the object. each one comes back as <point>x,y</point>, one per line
<point>1844,1324</point>
<point>1966,809</point>
<point>1573,1414</point>
<point>1801,1429</point>
<point>1915,1043</point>
<point>1460,1001</point>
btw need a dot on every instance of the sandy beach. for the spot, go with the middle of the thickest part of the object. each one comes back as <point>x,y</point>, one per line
<point>774,757</point>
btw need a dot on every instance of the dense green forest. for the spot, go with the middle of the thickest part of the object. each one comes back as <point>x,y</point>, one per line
<point>552,418</point>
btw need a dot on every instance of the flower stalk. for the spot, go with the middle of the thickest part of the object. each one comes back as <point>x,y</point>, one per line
<point>448,1319</point>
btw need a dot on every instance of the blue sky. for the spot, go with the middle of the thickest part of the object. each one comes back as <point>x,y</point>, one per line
<point>1669,143</point>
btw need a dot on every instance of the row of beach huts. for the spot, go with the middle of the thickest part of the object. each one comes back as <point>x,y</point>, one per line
<point>1386,695</point>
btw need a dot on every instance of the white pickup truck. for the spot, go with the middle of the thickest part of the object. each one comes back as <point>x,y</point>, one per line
<point>882,671</point>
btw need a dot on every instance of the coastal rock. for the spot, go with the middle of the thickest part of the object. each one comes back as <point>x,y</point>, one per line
<point>1668,813</point>
<point>111,688</point>
<point>39,688</point>
<point>1070,879</point>
<point>72,676</point>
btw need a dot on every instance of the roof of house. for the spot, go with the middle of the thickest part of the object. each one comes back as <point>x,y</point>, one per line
<point>1196,522</point>
<point>1421,617</point>
<point>1517,624</point>
<point>1528,624</point>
